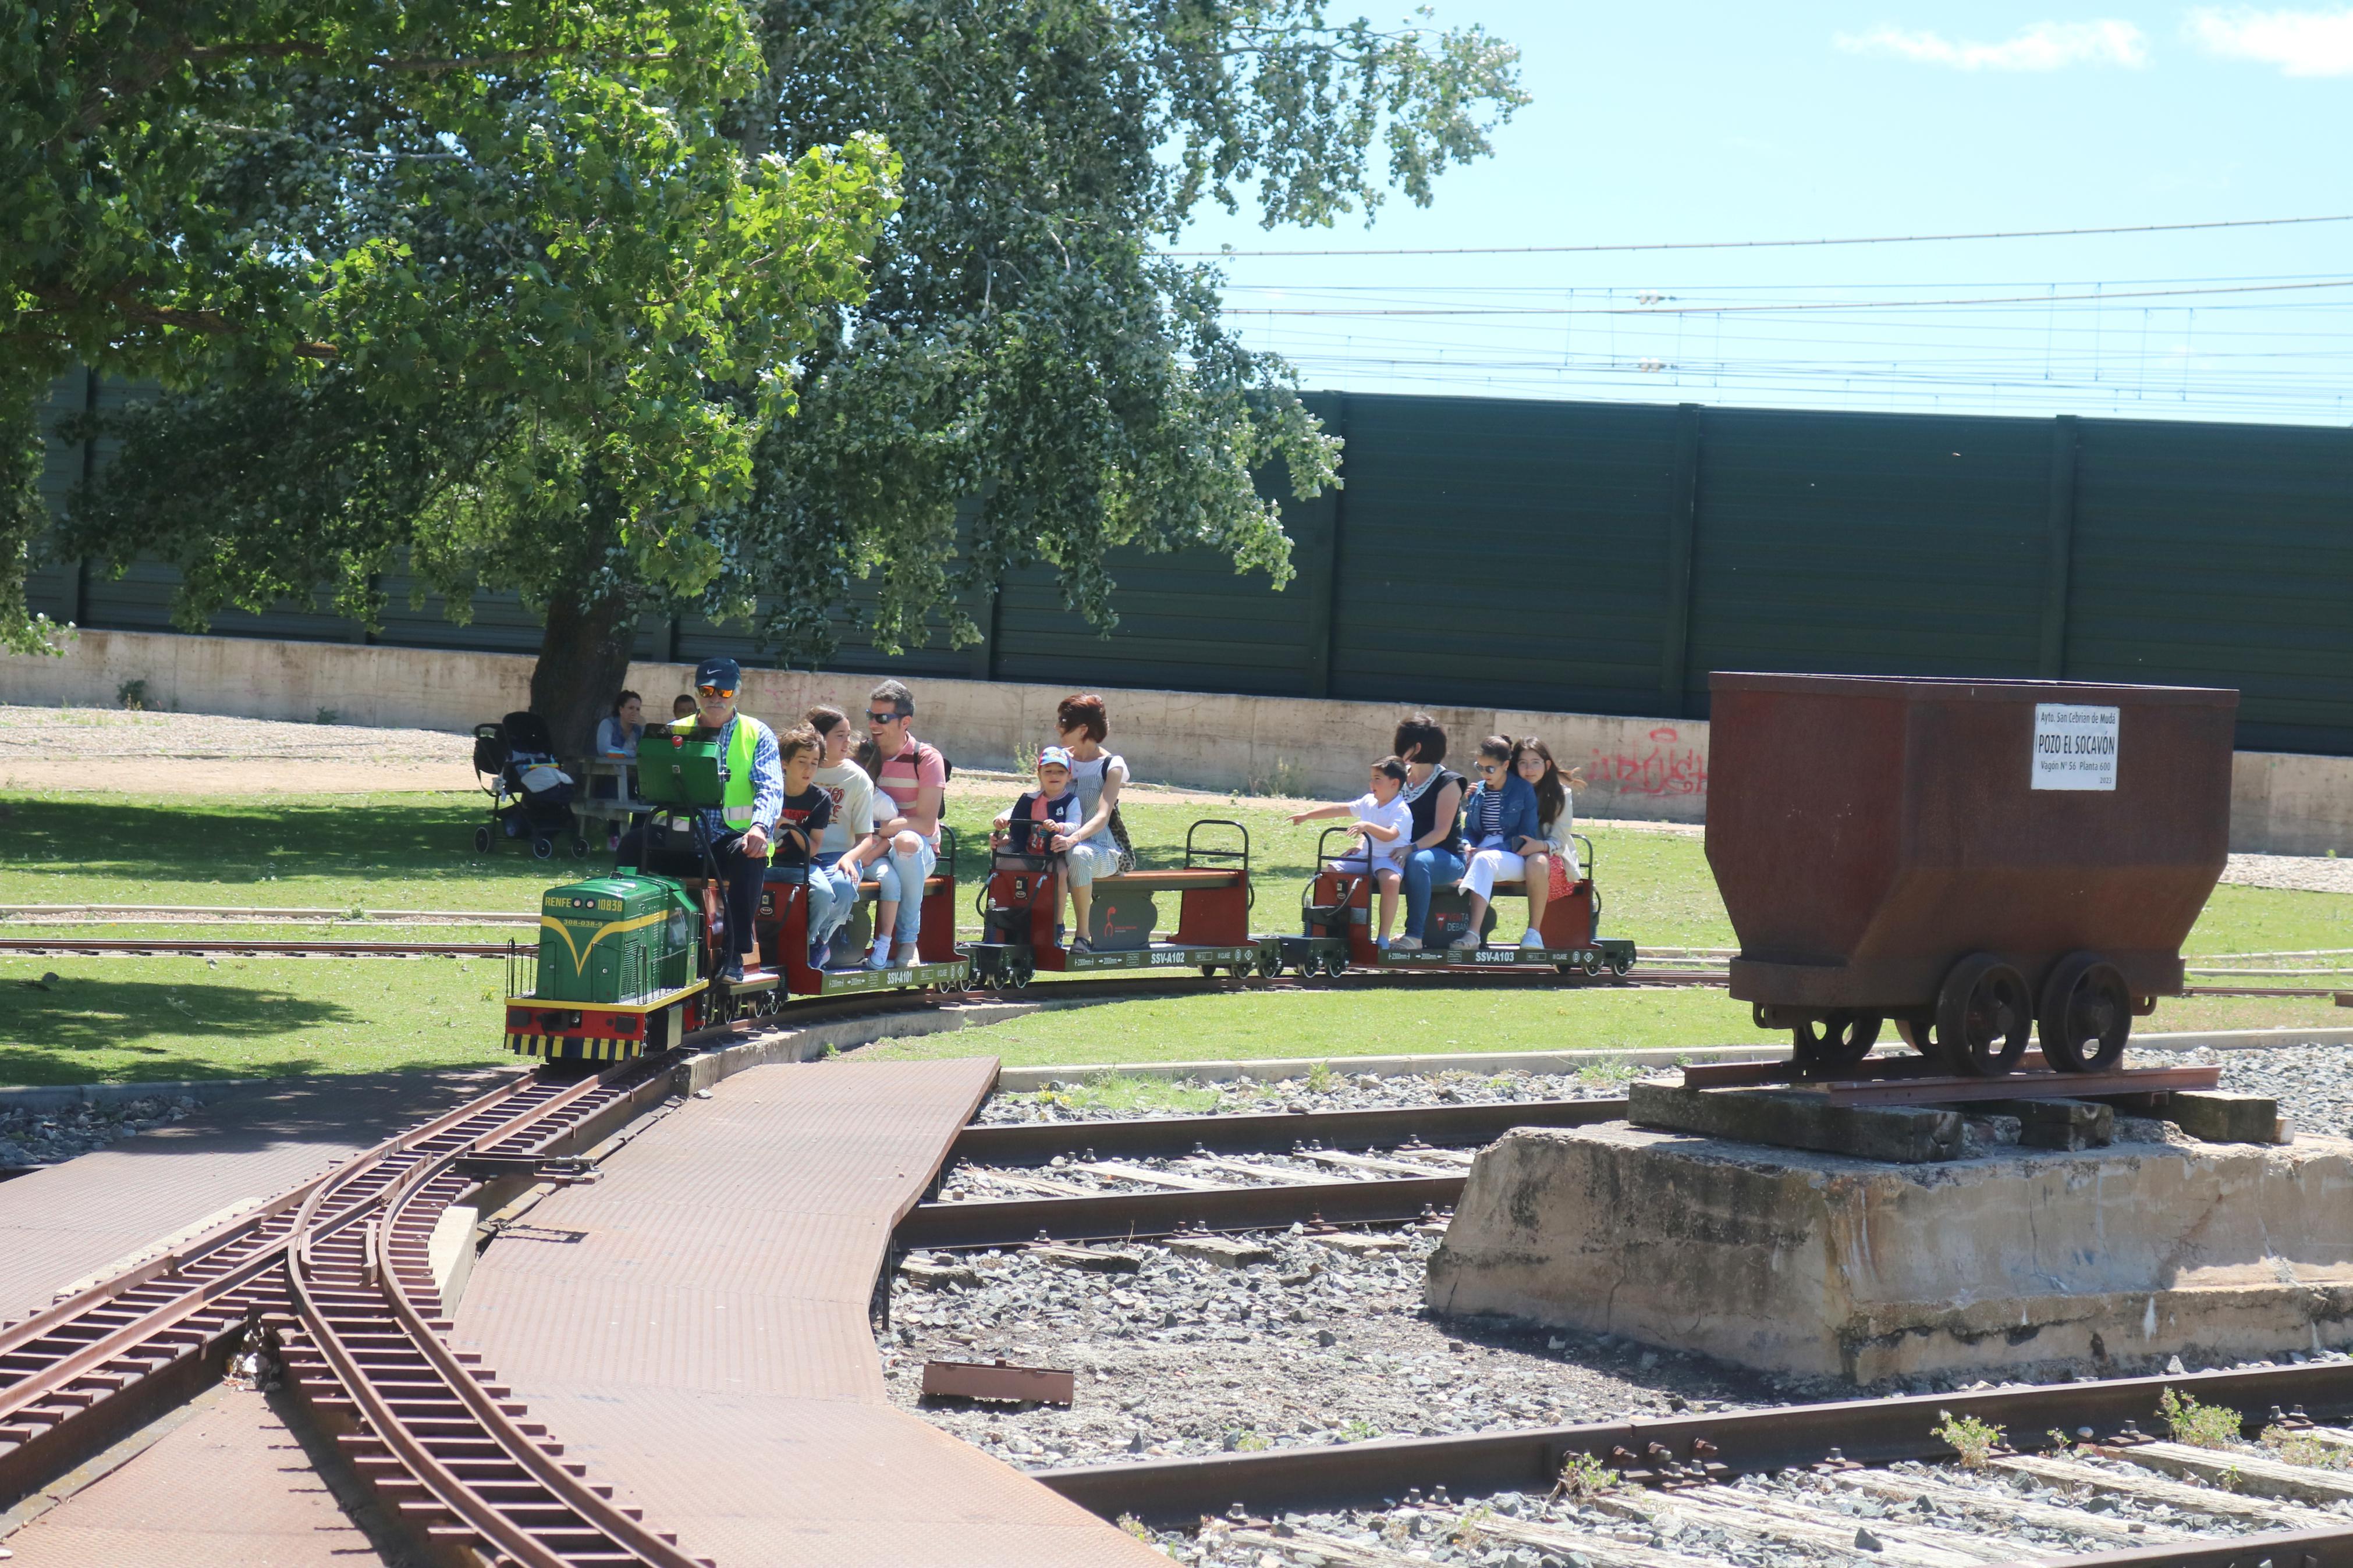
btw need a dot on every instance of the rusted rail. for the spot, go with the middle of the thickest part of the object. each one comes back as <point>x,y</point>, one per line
<point>1683,1447</point>
<point>443,1444</point>
<point>1442,1126</point>
<point>204,947</point>
<point>1118,1216</point>
<point>87,1368</point>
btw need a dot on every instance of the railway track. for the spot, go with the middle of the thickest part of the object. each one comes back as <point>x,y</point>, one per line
<point>442,1442</point>
<point>100,1362</point>
<point>1744,1478</point>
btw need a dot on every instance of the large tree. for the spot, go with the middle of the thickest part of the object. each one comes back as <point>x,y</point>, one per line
<point>492,282</point>
<point>1026,379</point>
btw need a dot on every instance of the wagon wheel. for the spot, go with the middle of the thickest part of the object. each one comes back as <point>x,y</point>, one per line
<point>1591,961</point>
<point>1270,963</point>
<point>1919,1032</point>
<point>1838,1040</point>
<point>1984,1015</point>
<point>2086,1014</point>
<point>1335,965</point>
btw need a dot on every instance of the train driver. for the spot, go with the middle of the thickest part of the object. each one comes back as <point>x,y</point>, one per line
<point>739,828</point>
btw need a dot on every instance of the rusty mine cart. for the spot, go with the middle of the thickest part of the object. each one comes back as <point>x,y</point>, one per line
<point>1971,859</point>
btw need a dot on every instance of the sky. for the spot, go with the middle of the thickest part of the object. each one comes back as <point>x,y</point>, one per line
<point>1670,122</point>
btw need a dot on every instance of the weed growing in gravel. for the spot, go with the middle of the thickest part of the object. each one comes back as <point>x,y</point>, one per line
<point>1321,1079</point>
<point>2199,1425</point>
<point>2061,1443</point>
<point>1135,1527</point>
<point>1125,1094</point>
<point>2293,1447</point>
<point>1607,1073</point>
<point>1357,1429</point>
<point>1972,1439</point>
<point>1583,1477</point>
<point>1471,1530</point>
<point>1242,1440</point>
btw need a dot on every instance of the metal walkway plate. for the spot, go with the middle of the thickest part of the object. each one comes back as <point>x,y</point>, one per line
<point>694,1328</point>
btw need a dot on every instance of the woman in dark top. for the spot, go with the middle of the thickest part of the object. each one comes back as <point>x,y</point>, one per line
<point>1434,795</point>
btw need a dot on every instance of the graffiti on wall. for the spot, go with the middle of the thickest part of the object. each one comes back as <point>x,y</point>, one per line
<point>1668,765</point>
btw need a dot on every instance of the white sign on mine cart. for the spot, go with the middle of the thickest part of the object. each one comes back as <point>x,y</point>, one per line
<point>2074,746</point>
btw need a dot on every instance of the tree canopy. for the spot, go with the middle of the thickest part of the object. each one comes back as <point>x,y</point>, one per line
<point>1020,377</point>
<point>481,278</point>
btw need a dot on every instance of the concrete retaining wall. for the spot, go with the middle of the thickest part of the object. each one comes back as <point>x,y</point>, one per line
<point>1654,769</point>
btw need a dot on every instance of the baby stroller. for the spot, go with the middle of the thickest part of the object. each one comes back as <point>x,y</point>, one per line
<point>530,796</point>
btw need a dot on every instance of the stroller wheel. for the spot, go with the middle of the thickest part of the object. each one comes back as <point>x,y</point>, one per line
<point>482,841</point>
<point>541,847</point>
<point>579,849</point>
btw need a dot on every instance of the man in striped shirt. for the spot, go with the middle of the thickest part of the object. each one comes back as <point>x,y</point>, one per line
<point>914,777</point>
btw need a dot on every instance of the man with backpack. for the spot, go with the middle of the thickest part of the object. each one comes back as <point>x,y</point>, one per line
<point>914,778</point>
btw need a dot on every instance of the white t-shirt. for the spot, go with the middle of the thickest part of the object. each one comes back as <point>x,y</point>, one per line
<point>1397,814</point>
<point>853,792</point>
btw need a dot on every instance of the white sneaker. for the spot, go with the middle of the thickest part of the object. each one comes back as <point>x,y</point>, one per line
<point>1468,941</point>
<point>1532,938</point>
<point>1405,944</point>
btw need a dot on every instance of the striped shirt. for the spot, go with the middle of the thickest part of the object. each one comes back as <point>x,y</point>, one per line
<point>905,777</point>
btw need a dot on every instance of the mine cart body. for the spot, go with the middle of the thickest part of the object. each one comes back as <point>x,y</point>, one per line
<point>1871,836</point>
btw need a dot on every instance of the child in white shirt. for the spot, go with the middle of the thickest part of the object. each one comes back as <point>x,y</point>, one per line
<point>1384,830</point>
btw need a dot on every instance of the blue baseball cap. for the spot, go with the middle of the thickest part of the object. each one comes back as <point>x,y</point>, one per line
<point>722,675</point>
<point>1056,757</point>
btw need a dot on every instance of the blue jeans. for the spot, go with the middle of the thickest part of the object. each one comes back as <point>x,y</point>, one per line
<point>901,874</point>
<point>832,898</point>
<point>1422,867</point>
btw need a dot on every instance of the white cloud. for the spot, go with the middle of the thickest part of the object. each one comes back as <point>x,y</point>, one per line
<point>2301,43</point>
<point>2040,47</point>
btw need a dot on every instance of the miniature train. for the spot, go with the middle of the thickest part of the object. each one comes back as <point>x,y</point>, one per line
<point>632,963</point>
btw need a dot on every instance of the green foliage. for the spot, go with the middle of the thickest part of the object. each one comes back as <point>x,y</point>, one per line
<point>2202,1426</point>
<point>1027,381</point>
<point>1974,1440</point>
<point>1321,1079</point>
<point>2293,1446</point>
<point>1357,1429</point>
<point>489,285</point>
<point>1583,1476</point>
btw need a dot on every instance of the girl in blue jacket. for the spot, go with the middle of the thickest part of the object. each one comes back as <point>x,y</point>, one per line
<point>1499,827</point>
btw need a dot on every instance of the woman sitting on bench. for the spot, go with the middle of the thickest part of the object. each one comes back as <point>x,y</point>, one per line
<point>1552,870</point>
<point>1499,826</point>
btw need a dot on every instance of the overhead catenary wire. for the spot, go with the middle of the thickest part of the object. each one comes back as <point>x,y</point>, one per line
<point>1771,244</point>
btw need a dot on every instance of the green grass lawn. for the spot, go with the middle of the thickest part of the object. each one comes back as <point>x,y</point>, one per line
<point>1317,1025</point>
<point>142,1018</point>
<point>136,1019</point>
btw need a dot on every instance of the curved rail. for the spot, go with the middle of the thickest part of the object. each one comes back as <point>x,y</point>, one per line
<point>454,1457</point>
<point>73,1371</point>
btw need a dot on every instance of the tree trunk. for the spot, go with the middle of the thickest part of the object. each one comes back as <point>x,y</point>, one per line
<point>584,656</point>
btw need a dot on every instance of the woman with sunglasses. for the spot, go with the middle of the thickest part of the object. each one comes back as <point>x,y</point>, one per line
<point>1500,825</point>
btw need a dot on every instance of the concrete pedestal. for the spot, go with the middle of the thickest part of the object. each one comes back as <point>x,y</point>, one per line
<point>1826,1265</point>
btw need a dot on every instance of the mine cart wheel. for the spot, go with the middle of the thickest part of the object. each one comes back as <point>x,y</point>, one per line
<point>1208,972</point>
<point>2086,1014</point>
<point>1591,961</point>
<point>1984,1015</point>
<point>1269,963</point>
<point>1920,1034</point>
<point>1620,964</point>
<point>1838,1040</point>
<point>1020,974</point>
